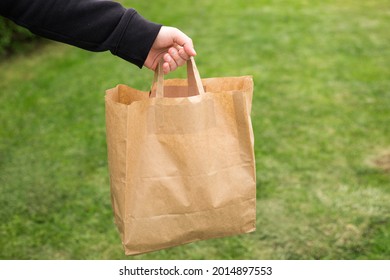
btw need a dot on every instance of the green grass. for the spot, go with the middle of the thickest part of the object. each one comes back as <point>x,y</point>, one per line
<point>320,116</point>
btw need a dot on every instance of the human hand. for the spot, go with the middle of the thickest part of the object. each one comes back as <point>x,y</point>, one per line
<point>173,46</point>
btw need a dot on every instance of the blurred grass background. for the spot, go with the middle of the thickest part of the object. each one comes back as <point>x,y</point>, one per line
<point>321,113</point>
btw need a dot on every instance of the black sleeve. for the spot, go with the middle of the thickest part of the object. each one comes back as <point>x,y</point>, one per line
<point>94,25</point>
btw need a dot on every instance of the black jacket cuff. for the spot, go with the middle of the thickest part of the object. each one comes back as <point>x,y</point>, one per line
<point>137,38</point>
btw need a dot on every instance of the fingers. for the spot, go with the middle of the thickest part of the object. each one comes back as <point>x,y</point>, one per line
<point>166,68</point>
<point>174,46</point>
<point>178,55</point>
<point>182,53</point>
<point>175,57</point>
<point>169,64</point>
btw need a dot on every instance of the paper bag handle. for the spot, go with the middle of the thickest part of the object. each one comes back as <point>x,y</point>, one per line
<point>193,78</point>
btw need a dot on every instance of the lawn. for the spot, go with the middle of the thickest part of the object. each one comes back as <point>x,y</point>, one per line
<point>321,118</point>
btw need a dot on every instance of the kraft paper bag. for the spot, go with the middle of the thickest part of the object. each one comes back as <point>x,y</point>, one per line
<point>181,160</point>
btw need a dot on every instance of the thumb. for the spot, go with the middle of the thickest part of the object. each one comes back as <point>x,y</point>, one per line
<point>189,49</point>
<point>186,42</point>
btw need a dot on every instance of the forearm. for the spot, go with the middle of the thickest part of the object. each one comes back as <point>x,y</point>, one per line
<point>89,24</point>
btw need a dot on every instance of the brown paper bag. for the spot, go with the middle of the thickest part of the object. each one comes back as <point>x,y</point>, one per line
<point>182,168</point>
